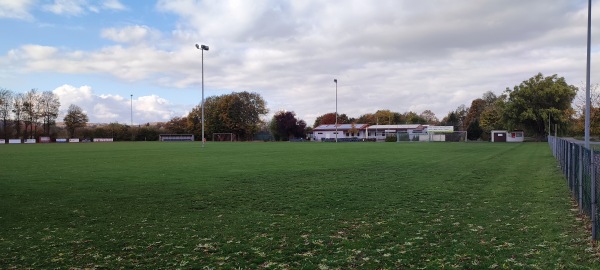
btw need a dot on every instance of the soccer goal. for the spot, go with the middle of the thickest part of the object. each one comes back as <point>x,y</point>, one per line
<point>455,136</point>
<point>223,137</point>
<point>176,137</point>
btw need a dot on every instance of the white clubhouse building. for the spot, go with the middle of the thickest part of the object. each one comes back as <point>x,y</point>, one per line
<point>377,132</point>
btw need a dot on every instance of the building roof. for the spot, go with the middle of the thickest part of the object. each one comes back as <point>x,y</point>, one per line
<point>341,127</point>
<point>388,128</point>
<point>398,127</point>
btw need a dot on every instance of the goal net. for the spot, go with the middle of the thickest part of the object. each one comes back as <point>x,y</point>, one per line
<point>456,136</point>
<point>176,137</point>
<point>223,137</point>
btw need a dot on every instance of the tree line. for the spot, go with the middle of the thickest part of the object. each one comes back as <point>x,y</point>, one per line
<point>33,114</point>
<point>28,115</point>
<point>238,113</point>
<point>535,106</point>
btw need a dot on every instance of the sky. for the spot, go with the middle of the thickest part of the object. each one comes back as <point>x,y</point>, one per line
<point>123,61</point>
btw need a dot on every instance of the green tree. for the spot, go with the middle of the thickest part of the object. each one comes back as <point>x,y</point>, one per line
<point>414,118</point>
<point>31,112</point>
<point>579,125</point>
<point>477,107</point>
<point>472,119</point>
<point>119,132</point>
<point>474,130</point>
<point>451,120</point>
<point>329,119</point>
<point>237,113</point>
<point>49,106</point>
<point>177,125</point>
<point>75,118</point>
<point>285,125</point>
<point>101,132</point>
<point>461,115</point>
<point>213,116</point>
<point>489,97</point>
<point>531,102</point>
<point>193,123</point>
<point>387,117</point>
<point>147,133</point>
<point>429,116</point>
<point>368,118</point>
<point>17,110</point>
<point>6,103</point>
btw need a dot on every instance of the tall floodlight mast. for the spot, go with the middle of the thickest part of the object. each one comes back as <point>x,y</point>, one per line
<point>336,114</point>
<point>202,48</point>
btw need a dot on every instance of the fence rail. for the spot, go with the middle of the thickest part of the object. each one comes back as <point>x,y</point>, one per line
<point>581,166</point>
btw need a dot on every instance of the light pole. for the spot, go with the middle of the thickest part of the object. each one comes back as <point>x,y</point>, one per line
<point>588,108</point>
<point>588,104</point>
<point>131,127</point>
<point>336,125</point>
<point>202,48</point>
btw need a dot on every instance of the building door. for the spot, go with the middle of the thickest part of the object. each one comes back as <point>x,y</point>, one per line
<point>500,137</point>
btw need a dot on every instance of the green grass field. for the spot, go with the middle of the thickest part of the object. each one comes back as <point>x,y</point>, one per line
<point>288,205</point>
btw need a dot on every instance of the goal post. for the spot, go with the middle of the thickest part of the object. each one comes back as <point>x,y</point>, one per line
<point>455,136</point>
<point>223,137</point>
<point>448,136</point>
<point>176,137</point>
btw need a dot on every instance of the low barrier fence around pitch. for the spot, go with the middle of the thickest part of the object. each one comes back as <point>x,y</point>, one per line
<point>581,167</point>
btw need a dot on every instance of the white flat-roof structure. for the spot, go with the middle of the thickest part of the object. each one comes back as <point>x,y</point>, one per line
<point>324,132</point>
<point>505,136</point>
<point>417,132</point>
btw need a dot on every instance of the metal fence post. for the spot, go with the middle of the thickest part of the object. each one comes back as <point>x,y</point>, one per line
<point>573,169</point>
<point>571,179</point>
<point>593,191</point>
<point>568,168</point>
<point>572,159</point>
<point>580,178</point>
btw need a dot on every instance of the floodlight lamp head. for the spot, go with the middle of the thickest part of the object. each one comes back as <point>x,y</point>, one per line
<point>197,46</point>
<point>204,47</point>
<point>335,80</point>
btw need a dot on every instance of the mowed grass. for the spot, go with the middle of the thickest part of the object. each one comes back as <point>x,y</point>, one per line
<point>287,205</point>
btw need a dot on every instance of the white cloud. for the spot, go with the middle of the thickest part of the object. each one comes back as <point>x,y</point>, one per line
<point>108,108</point>
<point>16,9</point>
<point>104,113</point>
<point>69,94</point>
<point>398,55</point>
<point>401,55</point>
<point>153,107</point>
<point>79,7</point>
<point>66,7</point>
<point>38,52</point>
<point>113,5</point>
<point>127,63</point>
<point>131,34</point>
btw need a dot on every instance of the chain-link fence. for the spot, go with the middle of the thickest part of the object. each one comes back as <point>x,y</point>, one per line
<point>581,166</point>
